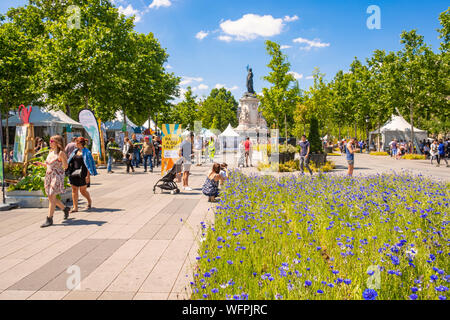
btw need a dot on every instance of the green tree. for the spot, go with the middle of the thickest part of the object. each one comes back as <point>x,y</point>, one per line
<point>279,101</point>
<point>17,69</point>
<point>314,136</point>
<point>186,112</point>
<point>218,110</point>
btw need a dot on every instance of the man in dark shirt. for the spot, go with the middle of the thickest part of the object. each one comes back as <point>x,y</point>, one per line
<point>304,154</point>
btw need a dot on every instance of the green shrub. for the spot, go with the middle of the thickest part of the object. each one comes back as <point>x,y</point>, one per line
<point>379,153</point>
<point>414,157</point>
<point>314,137</point>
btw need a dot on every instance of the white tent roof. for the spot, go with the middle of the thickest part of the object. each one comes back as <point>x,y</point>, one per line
<point>40,117</point>
<point>229,132</point>
<point>207,133</point>
<point>152,125</point>
<point>117,123</point>
<point>397,123</point>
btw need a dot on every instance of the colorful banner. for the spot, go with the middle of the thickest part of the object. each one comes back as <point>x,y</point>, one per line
<point>19,143</point>
<point>89,122</point>
<point>171,139</point>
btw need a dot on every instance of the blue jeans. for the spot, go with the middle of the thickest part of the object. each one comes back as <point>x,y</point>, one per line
<point>136,158</point>
<point>149,158</point>
<point>110,161</point>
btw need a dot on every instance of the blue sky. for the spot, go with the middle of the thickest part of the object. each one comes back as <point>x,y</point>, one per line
<point>210,42</point>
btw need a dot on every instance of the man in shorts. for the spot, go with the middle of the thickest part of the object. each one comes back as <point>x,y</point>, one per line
<point>304,154</point>
<point>186,153</point>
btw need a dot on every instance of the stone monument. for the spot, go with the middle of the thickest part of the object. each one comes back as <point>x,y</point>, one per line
<point>251,122</point>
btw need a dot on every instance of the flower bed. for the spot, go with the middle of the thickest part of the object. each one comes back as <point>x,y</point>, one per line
<point>329,237</point>
<point>379,153</point>
<point>414,157</point>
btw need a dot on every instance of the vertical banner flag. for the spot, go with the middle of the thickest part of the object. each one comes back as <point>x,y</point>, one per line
<point>89,122</point>
<point>19,143</point>
<point>171,139</point>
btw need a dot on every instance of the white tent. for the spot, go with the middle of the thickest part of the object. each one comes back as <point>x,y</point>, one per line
<point>117,124</point>
<point>398,128</point>
<point>53,121</point>
<point>229,139</point>
<point>40,117</point>
<point>152,125</point>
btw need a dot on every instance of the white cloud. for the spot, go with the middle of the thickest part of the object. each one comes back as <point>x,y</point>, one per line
<point>130,11</point>
<point>225,38</point>
<point>309,77</point>
<point>201,35</point>
<point>169,66</point>
<point>160,3</point>
<point>189,80</point>
<point>290,19</point>
<point>219,85</point>
<point>251,26</point>
<point>285,47</point>
<point>296,75</point>
<point>201,86</point>
<point>311,43</point>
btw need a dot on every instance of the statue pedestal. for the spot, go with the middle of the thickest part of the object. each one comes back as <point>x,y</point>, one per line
<point>251,121</point>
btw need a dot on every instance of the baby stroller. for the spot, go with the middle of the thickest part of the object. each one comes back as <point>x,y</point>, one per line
<point>167,182</point>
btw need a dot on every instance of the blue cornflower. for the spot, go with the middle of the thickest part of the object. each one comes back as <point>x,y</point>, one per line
<point>205,295</point>
<point>347,281</point>
<point>414,289</point>
<point>215,290</point>
<point>229,262</point>
<point>207,275</point>
<point>308,283</point>
<point>319,291</point>
<point>433,277</point>
<point>370,272</point>
<point>413,296</point>
<point>395,261</point>
<point>369,294</point>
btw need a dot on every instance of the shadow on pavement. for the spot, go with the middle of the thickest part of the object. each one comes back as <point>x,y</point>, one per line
<point>81,222</point>
<point>103,210</point>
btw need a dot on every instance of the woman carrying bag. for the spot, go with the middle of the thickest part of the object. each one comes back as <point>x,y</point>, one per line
<point>81,165</point>
<point>56,162</point>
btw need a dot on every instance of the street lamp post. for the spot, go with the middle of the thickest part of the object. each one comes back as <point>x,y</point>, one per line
<point>367,135</point>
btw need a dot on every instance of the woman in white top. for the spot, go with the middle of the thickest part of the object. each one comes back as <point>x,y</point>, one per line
<point>434,151</point>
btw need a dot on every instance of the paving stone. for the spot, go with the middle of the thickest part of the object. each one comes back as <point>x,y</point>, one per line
<point>135,273</point>
<point>167,232</point>
<point>48,295</point>
<point>151,296</point>
<point>147,232</point>
<point>82,295</point>
<point>163,276</point>
<point>15,294</point>
<point>87,264</point>
<point>117,296</point>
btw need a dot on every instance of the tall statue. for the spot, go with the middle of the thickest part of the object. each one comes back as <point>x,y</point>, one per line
<point>250,81</point>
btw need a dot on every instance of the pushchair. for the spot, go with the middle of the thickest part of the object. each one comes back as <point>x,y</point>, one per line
<point>167,182</point>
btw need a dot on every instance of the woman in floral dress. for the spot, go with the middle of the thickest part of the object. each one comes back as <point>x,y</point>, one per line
<point>56,164</point>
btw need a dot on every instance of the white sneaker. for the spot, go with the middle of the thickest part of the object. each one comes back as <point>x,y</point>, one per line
<point>187,188</point>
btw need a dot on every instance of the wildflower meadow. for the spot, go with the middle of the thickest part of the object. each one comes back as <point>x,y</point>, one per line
<point>326,237</point>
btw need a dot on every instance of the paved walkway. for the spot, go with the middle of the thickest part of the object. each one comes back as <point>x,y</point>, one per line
<point>133,245</point>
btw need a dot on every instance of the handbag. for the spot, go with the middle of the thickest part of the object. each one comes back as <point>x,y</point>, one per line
<point>76,173</point>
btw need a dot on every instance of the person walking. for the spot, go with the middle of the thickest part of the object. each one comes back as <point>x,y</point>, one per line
<point>110,151</point>
<point>247,147</point>
<point>136,150</point>
<point>157,145</point>
<point>56,164</point>
<point>81,166</point>
<point>148,151</point>
<point>185,152</point>
<point>442,156</point>
<point>72,145</point>
<point>434,152</point>
<point>350,156</point>
<point>211,185</point>
<point>304,154</point>
<point>128,154</point>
